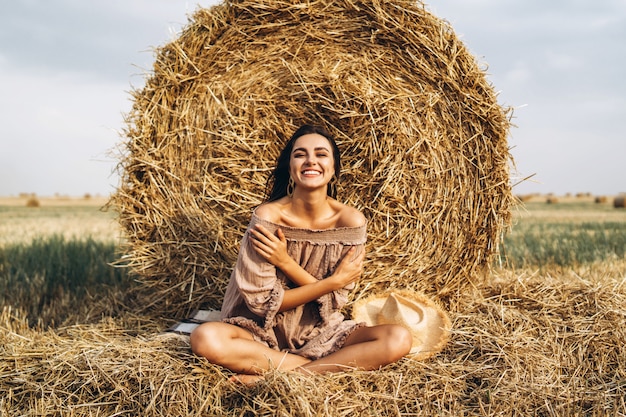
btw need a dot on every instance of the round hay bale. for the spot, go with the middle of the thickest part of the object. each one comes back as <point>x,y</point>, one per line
<point>601,199</point>
<point>33,202</point>
<point>619,201</point>
<point>423,139</point>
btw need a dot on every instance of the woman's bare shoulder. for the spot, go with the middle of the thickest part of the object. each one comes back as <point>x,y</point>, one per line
<point>270,211</point>
<point>350,217</point>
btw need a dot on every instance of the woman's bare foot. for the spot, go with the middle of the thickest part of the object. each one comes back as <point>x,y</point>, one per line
<point>245,379</point>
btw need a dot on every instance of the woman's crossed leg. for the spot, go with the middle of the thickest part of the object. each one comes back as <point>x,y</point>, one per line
<point>234,348</point>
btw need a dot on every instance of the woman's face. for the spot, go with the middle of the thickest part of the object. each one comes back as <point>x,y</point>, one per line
<point>311,164</point>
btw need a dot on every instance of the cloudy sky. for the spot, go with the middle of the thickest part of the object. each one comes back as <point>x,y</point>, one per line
<point>66,67</point>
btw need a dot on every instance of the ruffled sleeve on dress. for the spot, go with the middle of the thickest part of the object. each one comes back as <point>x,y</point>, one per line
<point>257,282</point>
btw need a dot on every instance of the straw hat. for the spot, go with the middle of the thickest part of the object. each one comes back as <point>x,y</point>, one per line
<point>428,322</point>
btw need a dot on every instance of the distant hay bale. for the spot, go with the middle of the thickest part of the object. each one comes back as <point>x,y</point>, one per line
<point>423,137</point>
<point>601,199</point>
<point>32,202</point>
<point>552,200</point>
<point>619,201</point>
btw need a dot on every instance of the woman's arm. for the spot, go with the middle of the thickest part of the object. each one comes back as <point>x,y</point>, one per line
<point>348,271</point>
<point>273,248</point>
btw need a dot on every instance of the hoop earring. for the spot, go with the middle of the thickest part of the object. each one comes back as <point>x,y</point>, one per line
<point>332,187</point>
<point>291,185</point>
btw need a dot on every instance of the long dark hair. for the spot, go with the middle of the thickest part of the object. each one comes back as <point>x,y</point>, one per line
<point>279,178</point>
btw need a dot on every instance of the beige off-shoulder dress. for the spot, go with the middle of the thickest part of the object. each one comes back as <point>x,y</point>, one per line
<point>256,289</point>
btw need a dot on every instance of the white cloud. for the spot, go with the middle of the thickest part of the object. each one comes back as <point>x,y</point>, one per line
<point>519,73</point>
<point>54,123</point>
<point>562,61</point>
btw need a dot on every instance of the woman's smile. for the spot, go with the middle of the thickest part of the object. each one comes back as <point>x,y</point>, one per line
<point>312,162</point>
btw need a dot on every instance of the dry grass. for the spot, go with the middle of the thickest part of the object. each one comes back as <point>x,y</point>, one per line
<point>522,345</point>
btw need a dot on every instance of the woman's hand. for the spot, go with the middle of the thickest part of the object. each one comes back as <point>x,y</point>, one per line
<point>272,248</point>
<point>349,270</point>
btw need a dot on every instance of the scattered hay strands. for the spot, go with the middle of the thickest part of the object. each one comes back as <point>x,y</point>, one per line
<point>523,345</point>
<point>424,142</point>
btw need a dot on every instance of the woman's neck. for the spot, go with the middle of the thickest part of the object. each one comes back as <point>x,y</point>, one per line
<point>311,206</point>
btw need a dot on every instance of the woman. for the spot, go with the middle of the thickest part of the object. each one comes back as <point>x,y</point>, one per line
<point>299,258</point>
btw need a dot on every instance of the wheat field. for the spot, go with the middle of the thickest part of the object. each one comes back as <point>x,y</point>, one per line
<point>69,217</point>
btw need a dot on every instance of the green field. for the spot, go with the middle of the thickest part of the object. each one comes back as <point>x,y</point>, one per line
<point>567,234</point>
<point>56,260</point>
